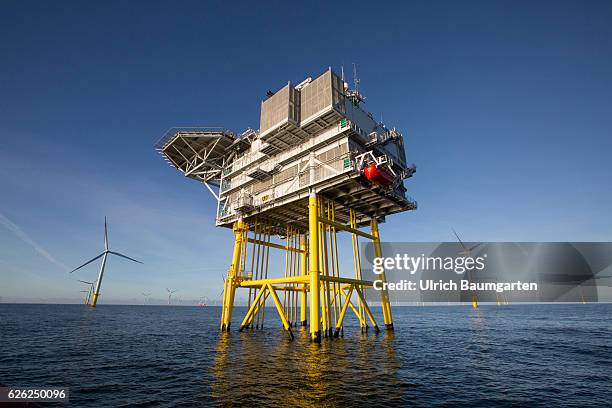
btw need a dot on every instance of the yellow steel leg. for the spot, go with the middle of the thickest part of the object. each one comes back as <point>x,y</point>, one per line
<point>353,308</point>
<point>367,309</point>
<point>230,286</point>
<point>343,311</point>
<point>474,301</point>
<point>384,294</point>
<point>259,308</point>
<point>313,260</point>
<point>303,293</point>
<point>279,307</point>
<point>252,310</point>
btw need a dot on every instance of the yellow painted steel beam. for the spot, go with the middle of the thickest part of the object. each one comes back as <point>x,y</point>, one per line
<point>251,312</point>
<point>346,228</point>
<point>273,245</point>
<point>357,265</point>
<point>313,260</point>
<point>287,288</point>
<point>350,281</point>
<point>304,294</point>
<point>367,309</point>
<point>273,281</point>
<point>353,308</point>
<point>343,311</point>
<point>384,293</point>
<point>230,287</point>
<point>262,304</point>
<point>279,308</point>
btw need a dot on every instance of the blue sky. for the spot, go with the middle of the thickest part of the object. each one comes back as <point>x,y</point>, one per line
<point>506,108</point>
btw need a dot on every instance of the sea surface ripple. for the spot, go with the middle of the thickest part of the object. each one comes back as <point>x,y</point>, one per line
<point>154,356</point>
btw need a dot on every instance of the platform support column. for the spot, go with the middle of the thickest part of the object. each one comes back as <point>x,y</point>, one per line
<point>303,293</point>
<point>229,289</point>
<point>313,263</point>
<point>384,294</point>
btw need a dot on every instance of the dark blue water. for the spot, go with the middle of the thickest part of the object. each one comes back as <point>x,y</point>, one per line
<point>527,356</point>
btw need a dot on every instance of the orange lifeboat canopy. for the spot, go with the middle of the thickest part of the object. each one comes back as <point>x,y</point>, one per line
<point>378,174</point>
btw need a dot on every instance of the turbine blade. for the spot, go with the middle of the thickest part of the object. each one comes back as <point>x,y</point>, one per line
<point>123,256</point>
<point>89,283</point>
<point>459,239</point>
<point>105,235</point>
<point>87,263</point>
<point>475,246</point>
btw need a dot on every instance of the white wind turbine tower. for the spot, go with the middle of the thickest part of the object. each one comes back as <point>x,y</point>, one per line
<point>103,255</point>
<point>146,297</point>
<point>170,292</point>
<point>468,252</point>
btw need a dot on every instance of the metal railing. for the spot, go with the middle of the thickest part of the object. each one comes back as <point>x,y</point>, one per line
<point>172,132</point>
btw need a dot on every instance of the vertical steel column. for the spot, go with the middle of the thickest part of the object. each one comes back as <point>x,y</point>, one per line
<point>313,260</point>
<point>384,294</point>
<point>230,286</point>
<point>303,293</point>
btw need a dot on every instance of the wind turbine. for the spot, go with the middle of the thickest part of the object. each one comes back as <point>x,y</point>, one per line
<point>170,292</point>
<point>89,292</point>
<point>146,297</point>
<point>468,252</point>
<point>86,296</point>
<point>103,255</point>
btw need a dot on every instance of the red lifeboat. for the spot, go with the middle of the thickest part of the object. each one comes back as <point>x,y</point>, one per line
<point>379,175</point>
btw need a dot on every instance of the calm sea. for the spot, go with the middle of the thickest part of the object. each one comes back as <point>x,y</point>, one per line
<point>130,356</point>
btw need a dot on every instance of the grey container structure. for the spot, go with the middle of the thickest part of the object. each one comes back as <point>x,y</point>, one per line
<point>313,137</point>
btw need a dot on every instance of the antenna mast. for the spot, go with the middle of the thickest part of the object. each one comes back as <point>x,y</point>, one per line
<point>354,94</point>
<point>355,79</point>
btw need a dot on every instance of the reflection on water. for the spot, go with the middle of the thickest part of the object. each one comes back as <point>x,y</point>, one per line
<point>538,355</point>
<point>264,367</point>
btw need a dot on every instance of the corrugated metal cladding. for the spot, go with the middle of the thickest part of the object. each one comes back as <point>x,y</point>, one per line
<point>332,157</point>
<point>280,108</point>
<point>320,95</point>
<point>333,154</point>
<point>292,105</point>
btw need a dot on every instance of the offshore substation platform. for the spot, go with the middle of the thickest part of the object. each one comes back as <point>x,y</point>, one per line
<point>318,165</point>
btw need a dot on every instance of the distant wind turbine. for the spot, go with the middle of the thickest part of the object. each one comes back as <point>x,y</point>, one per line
<point>103,255</point>
<point>146,297</point>
<point>89,292</point>
<point>86,296</point>
<point>468,253</point>
<point>170,292</point>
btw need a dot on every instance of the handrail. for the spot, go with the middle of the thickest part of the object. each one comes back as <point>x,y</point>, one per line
<point>172,132</point>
